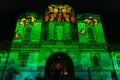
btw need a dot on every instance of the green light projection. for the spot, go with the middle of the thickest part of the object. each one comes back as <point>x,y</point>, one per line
<point>27,28</point>
<point>83,41</point>
<point>96,26</point>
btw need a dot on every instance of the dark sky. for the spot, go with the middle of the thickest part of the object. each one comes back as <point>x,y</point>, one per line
<point>108,9</point>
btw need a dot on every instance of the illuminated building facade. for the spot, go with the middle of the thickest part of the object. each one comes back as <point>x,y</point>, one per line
<point>60,43</point>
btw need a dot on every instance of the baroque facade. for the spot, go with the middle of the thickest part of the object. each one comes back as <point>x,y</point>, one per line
<point>59,42</point>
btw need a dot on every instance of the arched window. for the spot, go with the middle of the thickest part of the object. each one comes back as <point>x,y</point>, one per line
<point>118,60</point>
<point>95,60</point>
<point>91,34</point>
<point>23,58</point>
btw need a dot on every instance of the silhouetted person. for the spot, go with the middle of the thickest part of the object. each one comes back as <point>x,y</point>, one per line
<point>38,77</point>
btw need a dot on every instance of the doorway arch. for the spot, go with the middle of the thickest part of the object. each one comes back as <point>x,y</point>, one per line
<point>59,64</point>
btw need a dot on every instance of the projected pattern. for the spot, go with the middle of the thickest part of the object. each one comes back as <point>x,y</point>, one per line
<point>59,43</point>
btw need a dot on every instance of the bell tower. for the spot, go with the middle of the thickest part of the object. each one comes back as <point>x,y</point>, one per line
<point>90,29</point>
<point>59,24</point>
<point>28,25</point>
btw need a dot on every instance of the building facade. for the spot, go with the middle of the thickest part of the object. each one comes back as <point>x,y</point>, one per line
<point>59,42</point>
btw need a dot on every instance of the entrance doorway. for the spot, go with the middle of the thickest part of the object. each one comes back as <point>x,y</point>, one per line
<point>59,65</point>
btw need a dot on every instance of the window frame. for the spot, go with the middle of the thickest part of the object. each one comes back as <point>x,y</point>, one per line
<point>118,59</point>
<point>91,35</point>
<point>23,58</point>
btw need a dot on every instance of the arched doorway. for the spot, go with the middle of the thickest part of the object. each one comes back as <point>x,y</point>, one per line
<point>59,65</point>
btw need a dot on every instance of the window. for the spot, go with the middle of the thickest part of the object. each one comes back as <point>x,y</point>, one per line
<point>56,32</point>
<point>27,33</point>
<point>95,60</point>
<point>90,34</point>
<point>118,60</point>
<point>59,33</point>
<point>23,57</point>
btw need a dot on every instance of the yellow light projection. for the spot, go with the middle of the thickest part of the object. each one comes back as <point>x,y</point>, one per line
<point>17,35</point>
<point>59,13</point>
<point>58,66</point>
<point>91,21</point>
<point>82,31</point>
<point>27,20</point>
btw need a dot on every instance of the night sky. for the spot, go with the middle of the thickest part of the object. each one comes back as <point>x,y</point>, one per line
<point>108,9</point>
